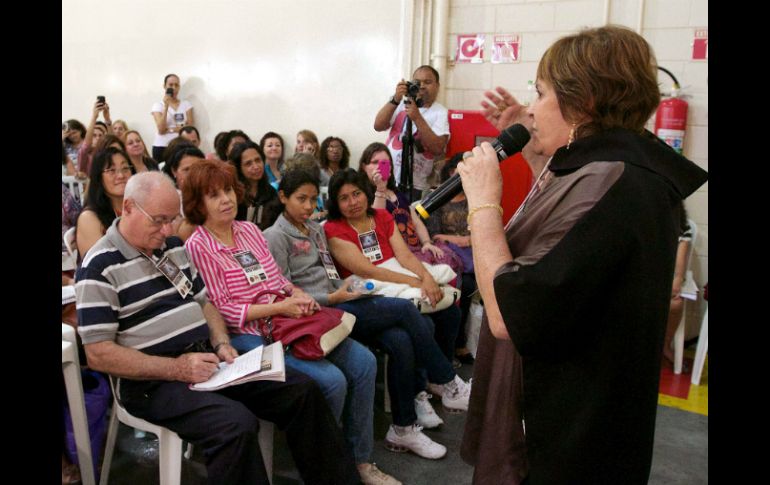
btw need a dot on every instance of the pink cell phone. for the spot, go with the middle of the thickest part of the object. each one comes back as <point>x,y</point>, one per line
<point>384,167</point>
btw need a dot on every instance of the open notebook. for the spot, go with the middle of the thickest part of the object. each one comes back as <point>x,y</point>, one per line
<point>260,364</point>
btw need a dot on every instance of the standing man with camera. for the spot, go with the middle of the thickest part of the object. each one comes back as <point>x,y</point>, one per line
<point>430,125</point>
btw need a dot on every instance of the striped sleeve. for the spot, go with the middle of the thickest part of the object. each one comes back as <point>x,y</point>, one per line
<point>212,272</point>
<point>97,306</point>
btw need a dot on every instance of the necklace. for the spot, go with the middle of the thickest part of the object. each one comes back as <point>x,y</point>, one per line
<point>370,224</point>
<point>228,236</point>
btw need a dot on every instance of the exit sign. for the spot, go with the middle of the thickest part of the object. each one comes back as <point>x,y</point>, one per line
<point>700,45</point>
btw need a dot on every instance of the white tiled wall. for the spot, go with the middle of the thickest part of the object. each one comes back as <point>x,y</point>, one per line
<point>668,25</point>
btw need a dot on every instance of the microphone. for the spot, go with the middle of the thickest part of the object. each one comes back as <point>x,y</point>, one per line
<point>510,142</point>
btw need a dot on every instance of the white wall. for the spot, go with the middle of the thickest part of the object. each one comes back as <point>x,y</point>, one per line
<point>256,65</point>
<point>668,25</point>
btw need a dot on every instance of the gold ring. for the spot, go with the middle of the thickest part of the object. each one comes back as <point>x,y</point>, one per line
<point>502,106</point>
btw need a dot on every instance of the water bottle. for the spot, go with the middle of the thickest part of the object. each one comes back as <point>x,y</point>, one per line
<point>361,285</point>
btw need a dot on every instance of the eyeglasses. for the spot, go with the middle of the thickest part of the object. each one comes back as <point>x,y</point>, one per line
<point>159,220</point>
<point>113,172</point>
<point>384,160</point>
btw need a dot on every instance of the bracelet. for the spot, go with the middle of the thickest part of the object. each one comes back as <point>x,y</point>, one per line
<point>381,195</point>
<point>220,344</point>
<point>484,206</point>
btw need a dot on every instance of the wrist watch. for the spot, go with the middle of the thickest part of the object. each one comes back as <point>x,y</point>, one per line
<point>393,101</point>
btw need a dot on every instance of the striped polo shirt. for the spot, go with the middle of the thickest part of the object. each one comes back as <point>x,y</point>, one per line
<point>123,297</point>
<point>226,283</point>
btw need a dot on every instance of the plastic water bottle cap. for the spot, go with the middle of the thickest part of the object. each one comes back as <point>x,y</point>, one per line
<point>369,285</point>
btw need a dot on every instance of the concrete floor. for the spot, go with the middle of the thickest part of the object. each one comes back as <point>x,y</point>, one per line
<point>680,455</point>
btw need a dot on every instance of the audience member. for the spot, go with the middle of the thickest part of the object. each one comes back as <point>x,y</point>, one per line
<point>104,198</point>
<point>333,156</point>
<point>119,129</point>
<point>73,134</point>
<point>449,224</point>
<point>272,145</point>
<point>411,227</point>
<point>307,142</point>
<point>351,220</point>
<point>260,203</point>
<point>190,133</point>
<point>137,152</point>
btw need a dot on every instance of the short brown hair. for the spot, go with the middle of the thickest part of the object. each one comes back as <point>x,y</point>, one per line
<point>606,74</point>
<point>204,177</point>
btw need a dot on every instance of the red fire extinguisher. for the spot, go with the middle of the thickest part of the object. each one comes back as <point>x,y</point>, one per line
<point>671,117</point>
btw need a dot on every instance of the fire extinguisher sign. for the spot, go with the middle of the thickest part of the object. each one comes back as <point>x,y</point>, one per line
<point>700,45</point>
<point>470,48</point>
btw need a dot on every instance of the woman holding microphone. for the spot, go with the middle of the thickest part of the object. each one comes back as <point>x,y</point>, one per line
<point>576,285</point>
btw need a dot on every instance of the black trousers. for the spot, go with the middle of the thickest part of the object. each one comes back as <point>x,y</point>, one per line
<point>224,424</point>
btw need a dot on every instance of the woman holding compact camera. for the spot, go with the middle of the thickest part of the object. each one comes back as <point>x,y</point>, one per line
<point>170,115</point>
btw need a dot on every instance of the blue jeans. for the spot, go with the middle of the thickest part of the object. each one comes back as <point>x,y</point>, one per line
<point>348,371</point>
<point>396,326</point>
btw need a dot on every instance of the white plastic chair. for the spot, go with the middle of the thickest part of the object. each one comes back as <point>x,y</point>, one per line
<point>689,292</point>
<point>701,350</point>
<point>170,445</point>
<point>71,369</point>
<point>75,185</point>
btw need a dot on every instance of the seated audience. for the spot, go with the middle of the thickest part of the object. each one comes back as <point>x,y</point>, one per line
<point>346,375</point>
<point>394,325</point>
<point>156,339</point>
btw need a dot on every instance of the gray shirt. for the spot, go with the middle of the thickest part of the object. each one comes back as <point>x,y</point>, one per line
<point>299,259</point>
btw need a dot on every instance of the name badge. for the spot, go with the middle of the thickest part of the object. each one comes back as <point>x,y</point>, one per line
<point>179,118</point>
<point>175,275</point>
<point>254,271</point>
<point>331,270</point>
<point>370,246</point>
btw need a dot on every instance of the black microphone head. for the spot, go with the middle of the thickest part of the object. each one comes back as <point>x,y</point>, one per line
<point>512,140</point>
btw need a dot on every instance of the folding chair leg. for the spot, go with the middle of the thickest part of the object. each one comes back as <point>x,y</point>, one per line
<point>109,448</point>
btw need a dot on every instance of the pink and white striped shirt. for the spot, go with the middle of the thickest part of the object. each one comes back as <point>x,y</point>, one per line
<point>227,286</point>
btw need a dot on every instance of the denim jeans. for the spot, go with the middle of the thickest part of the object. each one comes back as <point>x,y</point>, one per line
<point>396,326</point>
<point>348,371</point>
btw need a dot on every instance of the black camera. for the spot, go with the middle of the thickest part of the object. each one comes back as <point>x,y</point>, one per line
<point>413,91</point>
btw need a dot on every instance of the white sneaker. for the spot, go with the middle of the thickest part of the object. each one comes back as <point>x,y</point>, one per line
<point>414,440</point>
<point>456,394</point>
<point>435,389</point>
<point>426,416</point>
<point>371,475</point>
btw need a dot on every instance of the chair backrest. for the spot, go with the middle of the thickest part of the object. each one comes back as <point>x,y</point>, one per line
<point>69,242</point>
<point>75,185</point>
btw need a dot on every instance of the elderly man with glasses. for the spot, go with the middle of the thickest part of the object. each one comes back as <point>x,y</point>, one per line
<point>145,319</point>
